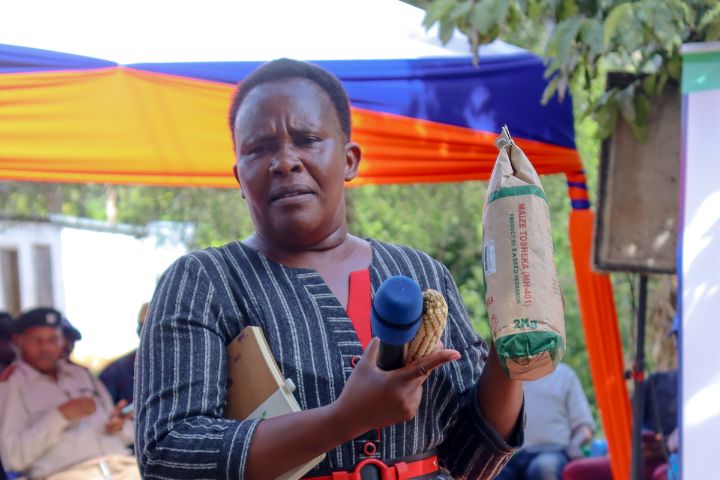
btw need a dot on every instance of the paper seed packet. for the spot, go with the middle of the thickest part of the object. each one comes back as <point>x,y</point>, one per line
<point>523,296</point>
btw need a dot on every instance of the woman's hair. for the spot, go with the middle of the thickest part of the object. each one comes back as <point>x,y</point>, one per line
<point>285,68</point>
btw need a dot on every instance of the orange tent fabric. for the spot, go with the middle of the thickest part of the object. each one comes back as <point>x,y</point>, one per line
<point>602,339</point>
<point>127,126</point>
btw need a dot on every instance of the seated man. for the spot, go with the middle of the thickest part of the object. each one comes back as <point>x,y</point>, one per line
<point>559,422</point>
<point>659,423</point>
<point>7,354</point>
<point>57,421</point>
<point>71,335</point>
<point>659,433</point>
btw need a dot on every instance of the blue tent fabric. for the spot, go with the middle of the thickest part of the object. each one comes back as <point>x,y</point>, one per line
<point>501,90</point>
<point>14,59</point>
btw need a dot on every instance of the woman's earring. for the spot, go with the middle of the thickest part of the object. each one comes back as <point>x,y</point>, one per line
<point>242,194</point>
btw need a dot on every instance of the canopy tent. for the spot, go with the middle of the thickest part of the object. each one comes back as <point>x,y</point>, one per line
<point>90,120</point>
<point>422,113</point>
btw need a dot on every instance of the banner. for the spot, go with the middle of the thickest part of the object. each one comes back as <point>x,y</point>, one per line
<point>698,263</point>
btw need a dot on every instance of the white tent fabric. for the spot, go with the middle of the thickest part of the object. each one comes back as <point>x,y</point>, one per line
<point>133,31</point>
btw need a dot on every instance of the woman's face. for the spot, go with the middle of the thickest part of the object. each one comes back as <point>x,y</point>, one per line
<point>292,162</point>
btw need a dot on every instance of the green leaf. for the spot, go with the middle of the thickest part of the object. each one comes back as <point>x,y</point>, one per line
<point>618,14</point>
<point>643,107</point>
<point>447,27</point>
<point>492,34</point>
<point>551,68</point>
<point>591,33</point>
<point>568,8</point>
<point>627,106</point>
<point>550,90</point>
<point>436,10</point>
<point>483,16</point>
<point>606,98</point>
<point>562,40</point>
<point>606,118</point>
<point>639,131</point>
<point>713,32</point>
<point>562,85</point>
<point>460,10</point>
<point>649,84</point>
<point>674,67</point>
<point>501,10</point>
<point>709,16</point>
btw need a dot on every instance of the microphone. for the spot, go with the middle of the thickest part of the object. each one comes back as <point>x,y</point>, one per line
<point>396,315</point>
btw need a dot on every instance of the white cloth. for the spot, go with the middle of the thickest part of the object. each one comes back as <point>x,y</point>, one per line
<point>34,436</point>
<point>556,406</point>
<point>112,467</point>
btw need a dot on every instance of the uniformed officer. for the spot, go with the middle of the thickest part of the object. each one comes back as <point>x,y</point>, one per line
<point>7,352</point>
<point>56,420</point>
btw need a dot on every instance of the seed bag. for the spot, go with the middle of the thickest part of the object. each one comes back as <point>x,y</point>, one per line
<point>523,296</point>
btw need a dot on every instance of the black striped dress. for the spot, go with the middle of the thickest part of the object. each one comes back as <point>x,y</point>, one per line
<point>206,298</point>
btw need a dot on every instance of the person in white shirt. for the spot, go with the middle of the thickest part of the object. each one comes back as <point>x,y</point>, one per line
<point>56,420</point>
<point>558,423</point>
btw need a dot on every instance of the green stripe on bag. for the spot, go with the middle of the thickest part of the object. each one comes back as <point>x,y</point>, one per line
<point>528,344</point>
<point>515,191</point>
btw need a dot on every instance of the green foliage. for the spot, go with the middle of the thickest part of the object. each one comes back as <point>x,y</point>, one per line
<point>440,219</point>
<point>583,39</point>
<point>217,215</point>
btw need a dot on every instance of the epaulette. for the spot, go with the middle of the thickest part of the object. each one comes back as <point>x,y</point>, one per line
<point>7,372</point>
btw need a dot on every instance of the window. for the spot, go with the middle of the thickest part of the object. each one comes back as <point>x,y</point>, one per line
<point>43,275</point>
<point>10,280</point>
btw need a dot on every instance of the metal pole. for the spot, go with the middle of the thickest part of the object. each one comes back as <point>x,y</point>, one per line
<point>639,377</point>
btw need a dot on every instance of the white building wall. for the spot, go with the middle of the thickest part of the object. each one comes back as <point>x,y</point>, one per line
<point>23,237</point>
<point>107,277</point>
<point>100,278</point>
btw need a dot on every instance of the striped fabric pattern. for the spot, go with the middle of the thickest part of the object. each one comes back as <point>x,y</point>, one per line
<point>206,298</point>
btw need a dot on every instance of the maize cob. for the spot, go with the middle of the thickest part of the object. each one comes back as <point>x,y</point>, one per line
<point>435,311</point>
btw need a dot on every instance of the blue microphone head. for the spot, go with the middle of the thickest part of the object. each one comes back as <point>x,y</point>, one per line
<point>397,310</point>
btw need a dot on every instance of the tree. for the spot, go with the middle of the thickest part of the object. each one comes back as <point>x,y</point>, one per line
<point>582,39</point>
<point>218,215</point>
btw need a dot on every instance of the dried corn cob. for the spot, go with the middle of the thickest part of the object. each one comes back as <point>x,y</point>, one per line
<point>435,311</point>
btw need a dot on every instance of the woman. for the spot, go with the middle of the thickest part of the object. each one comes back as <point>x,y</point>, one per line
<point>292,277</point>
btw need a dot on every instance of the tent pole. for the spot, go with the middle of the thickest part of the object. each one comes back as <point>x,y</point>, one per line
<point>638,377</point>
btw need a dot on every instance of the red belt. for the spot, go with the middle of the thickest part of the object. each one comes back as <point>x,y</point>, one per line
<point>396,471</point>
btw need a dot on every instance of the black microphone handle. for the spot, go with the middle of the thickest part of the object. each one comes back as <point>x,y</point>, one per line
<point>391,357</point>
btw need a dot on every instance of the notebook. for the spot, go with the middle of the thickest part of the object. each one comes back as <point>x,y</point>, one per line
<point>257,389</point>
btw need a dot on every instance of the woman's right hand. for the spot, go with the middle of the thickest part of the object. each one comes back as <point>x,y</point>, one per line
<point>374,398</point>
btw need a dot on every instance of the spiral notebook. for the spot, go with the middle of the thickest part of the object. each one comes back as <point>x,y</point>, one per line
<point>257,389</point>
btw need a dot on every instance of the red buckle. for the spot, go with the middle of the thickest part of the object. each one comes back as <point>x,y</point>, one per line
<point>398,471</point>
<point>384,475</point>
<point>402,470</point>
